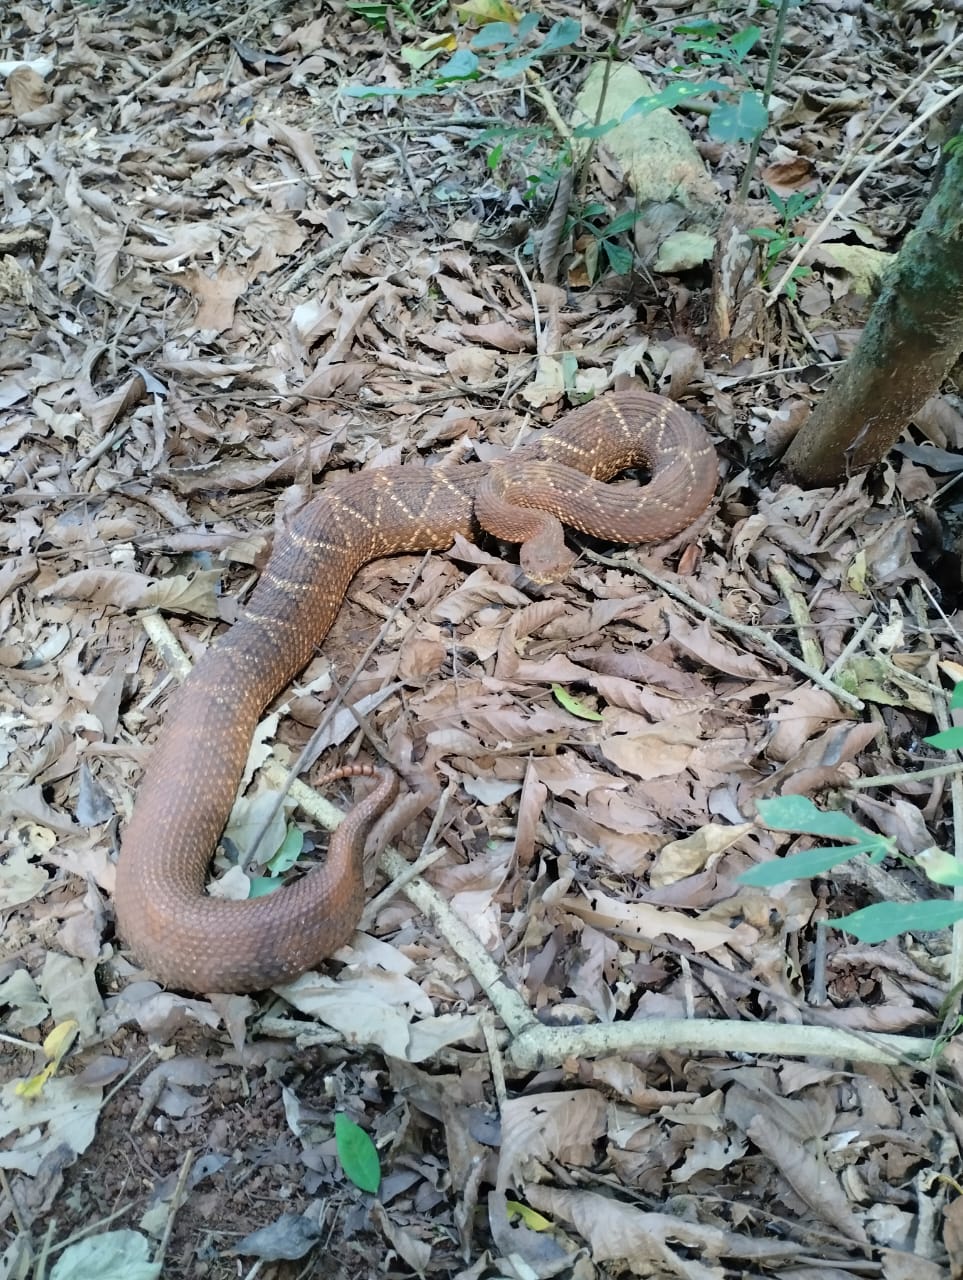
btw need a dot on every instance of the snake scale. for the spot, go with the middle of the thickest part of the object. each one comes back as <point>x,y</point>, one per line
<point>190,940</point>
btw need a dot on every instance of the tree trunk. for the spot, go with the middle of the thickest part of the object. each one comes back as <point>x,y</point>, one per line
<point>912,339</point>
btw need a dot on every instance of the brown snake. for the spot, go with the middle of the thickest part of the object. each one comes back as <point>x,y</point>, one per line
<point>190,940</point>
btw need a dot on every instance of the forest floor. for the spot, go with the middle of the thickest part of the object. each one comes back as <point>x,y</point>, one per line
<point>228,273</point>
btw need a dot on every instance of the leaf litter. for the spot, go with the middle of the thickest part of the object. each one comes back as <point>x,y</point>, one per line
<point>220,277</point>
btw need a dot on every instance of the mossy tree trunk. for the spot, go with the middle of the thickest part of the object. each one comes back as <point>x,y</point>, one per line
<point>912,339</point>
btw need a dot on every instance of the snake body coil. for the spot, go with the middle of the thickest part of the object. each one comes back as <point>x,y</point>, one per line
<point>190,940</point>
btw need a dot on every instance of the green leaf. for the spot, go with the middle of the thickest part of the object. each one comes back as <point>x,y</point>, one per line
<point>290,849</point>
<point>742,41</point>
<point>527,25</point>
<point>947,739</point>
<point>624,222</point>
<point>573,705</point>
<point>798,204</point>
<point>777,202</point>
<point>569,370</point>
<point>619,257</point>
<point>373,14</point>
<point>418,59</point>
<point>699,27</point>
<point>940,867</point>
<point>495,34</point>
<point>562,34</point>
<point>800,866</point>
<point>261,886</point>
<point>462,65</point>
<point>389,91</point>
<point>887,919</point>
<point>594,130</point>
<point>674,93</point>
<point>956,697</point>
<point>738,121</point>
<point>536,1221</point>
<point>357,1153</point>
<point>799,814</point>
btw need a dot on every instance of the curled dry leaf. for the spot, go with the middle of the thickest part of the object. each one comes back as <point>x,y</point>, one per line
<point>28,92</point>
<point>548,1126</point>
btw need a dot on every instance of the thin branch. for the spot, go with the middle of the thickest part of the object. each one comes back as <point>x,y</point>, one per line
<point>756,634</point>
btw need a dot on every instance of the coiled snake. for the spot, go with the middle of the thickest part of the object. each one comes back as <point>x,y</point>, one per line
<point>190,940</point>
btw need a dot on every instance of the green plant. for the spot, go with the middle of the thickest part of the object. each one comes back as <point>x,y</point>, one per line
<point>776,240</point>
<point>798,814</point>
<point>502,49</point>
<point>737,117</point>
<point>508,48</point>
<point>375,12</point>
<point>523,140</point>
<point>604,250</point>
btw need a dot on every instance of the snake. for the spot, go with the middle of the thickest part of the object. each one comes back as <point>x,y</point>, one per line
<point>190,940</point>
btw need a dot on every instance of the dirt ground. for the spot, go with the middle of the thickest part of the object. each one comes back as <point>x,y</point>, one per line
<point>228,272</point>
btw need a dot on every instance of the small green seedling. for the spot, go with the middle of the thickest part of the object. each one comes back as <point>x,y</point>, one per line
<point>776,240</point>
<point>882,920</point>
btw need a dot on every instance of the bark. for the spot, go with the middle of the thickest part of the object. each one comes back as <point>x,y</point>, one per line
<point>912,339</point>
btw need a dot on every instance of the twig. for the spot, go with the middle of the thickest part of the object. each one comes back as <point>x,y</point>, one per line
<point>21,1044</point>
<point>424,862</point>
<point>537,325</point>
<point>14,1207</point>
<point>332,251</point>
<point>896,779</point>
<point>155,1086</point>
<point>864,628</point>
<point>426,859</point>
<point>938,609</point>
<point>177,1199</point>
<point>756,634</point>
<point>88,1229</point>
<point>494,1058</point>
<point>164,641</point>
<point>726,380</point>
<point>508,1004</point>
<point>788,584</point>
<point>542,1047</point>
<point>46,1249</point>
<point>544,95</point>
<point>775,50</point>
